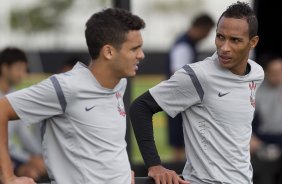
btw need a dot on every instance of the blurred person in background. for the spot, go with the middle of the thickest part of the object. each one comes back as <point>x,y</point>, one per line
<point>266,142</point>
<point>83,111</point>
<point>24,145</point>
<point>184,51</point>
<point>185,48</point>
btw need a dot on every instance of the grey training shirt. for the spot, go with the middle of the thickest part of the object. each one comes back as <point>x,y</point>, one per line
<point>85,125</point>
<point>217,108</point>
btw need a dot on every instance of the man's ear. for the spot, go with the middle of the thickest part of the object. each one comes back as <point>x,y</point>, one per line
<point>108,51</point>
<point>254,41</point>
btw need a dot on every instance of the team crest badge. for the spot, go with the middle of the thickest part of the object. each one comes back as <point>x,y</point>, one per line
<point>120,105</point>
<point>252,87</point>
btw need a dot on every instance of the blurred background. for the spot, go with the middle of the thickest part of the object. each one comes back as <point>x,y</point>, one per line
<point>56,27</point>
<point>52,33</point>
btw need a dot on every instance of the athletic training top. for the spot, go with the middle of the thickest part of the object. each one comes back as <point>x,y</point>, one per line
<point>85,125</point>
<point>217,108</point>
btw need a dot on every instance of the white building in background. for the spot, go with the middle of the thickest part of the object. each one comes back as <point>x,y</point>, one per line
<point>165,19</point>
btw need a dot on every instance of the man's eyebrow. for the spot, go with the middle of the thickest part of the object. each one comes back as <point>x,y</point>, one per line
<point>136,47</point>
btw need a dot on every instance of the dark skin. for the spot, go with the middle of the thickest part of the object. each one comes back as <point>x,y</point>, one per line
<point>233,45</point>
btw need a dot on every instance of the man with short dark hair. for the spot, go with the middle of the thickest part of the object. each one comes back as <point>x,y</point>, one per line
<point>216,98</point>
<point>83,112</point>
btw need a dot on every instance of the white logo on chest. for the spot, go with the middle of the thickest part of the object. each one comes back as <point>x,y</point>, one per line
<point>252,87</point>
<point>120,105</point>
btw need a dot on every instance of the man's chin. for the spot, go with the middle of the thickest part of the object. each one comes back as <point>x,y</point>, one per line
<point>133,74</point>
<point>224,65</point>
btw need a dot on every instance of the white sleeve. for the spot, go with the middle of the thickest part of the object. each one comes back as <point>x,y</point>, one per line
<point>38,102</point>
<point>176,94</point>
<point>181,55</point>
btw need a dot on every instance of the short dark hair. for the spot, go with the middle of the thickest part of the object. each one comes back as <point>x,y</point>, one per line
<point>242,10</point>
<point>203,20</point>
<point>110,26</point>
<point>11,55</point>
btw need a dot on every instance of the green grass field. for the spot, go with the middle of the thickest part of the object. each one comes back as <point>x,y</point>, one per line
<point>140,84</point>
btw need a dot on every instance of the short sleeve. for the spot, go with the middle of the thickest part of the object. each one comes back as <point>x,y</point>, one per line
<point>176,94</point>
<point>38,102</point>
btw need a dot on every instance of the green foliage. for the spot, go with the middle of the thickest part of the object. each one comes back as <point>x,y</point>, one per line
<point>42,17</point>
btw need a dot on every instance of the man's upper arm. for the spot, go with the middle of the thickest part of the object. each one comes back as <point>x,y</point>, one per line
<point>176,94</point>
<point>7,110</point>
<point>37,102</point>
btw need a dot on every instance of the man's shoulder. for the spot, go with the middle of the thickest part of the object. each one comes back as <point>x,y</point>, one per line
<point>204,65</point>
<point>78,76</point>
<point>256,69</point>
<point>69,82</point>
<point>255,65</point>
<point>198,70</point>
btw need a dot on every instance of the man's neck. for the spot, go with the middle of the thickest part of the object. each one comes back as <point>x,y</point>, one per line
<point>248,69</point>
<point>103,75</point>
